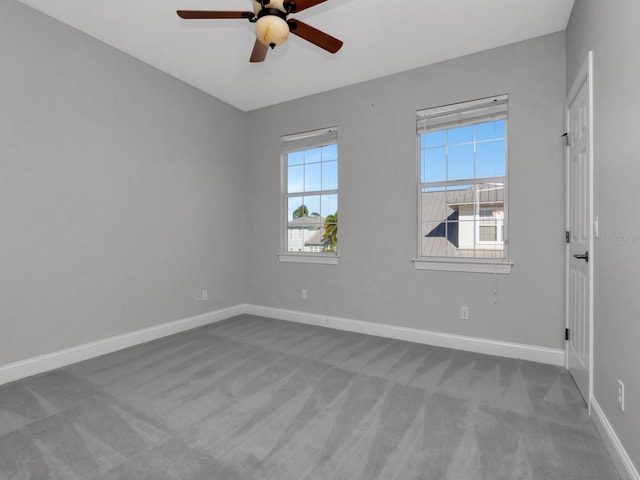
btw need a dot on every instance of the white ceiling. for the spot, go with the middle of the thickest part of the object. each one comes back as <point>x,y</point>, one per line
<point>380,38</point>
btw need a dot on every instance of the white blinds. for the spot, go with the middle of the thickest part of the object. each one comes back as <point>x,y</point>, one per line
<point>475,111</point>
<point>306,140</point>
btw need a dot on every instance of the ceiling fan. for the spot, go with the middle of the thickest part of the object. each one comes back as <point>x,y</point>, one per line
<point>272,25</point>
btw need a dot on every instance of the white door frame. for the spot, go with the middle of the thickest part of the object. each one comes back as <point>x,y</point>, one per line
<point>585,74</point>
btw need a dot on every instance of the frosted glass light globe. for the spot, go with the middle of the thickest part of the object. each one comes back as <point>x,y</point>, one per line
<point>272,30</point>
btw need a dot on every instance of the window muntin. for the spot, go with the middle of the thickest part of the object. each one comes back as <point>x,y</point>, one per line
<point>462,169</point>
<point>310,173</point>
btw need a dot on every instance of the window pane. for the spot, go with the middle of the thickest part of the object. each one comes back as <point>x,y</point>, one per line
<point>435,207</point>
<point>329,237</point>
<point>313,202</point>
<point>295,158</point>
<point>296,208</point>
<point>491,130</point>
<point>329,205</point>
<point>435,165</point>
<point>460,135</point>
<point>330,175</point>
<point>460,162</point>
<point>313,155</point>
<point>439,239</point>
<point>303,207</point>
<point>312,177</point>
<point>490,159</point>
<point>295,179</point>
<point>330,152</point>
<point>434,139</point>
<point>301,224</point>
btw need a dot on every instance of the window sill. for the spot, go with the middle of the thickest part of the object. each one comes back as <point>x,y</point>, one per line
<point>469,266</point>
<point>320,258</point>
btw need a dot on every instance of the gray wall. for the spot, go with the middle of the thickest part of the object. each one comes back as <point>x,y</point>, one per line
<point>613,35</point>
<point>118,191</point>
<point>375,279</point>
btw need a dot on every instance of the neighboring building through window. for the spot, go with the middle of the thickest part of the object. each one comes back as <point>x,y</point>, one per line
<point>310,192</point>
<point>463,180</point>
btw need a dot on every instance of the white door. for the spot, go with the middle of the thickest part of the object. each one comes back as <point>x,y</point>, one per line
<point>579,281</point>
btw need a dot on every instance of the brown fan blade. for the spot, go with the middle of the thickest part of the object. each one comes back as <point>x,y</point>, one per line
<point>202,14</point>
<point>295,6</point>
<point>259,52</point>
<point>315,36</point>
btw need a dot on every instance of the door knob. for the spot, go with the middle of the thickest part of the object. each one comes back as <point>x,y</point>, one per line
<point>584,256</point>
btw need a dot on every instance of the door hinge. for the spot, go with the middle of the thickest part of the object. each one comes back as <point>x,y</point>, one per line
<point>567,236</point>
<point>566,138</point>
<point>566,334</point>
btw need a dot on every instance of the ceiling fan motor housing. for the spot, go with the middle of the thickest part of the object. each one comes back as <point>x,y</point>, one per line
<point>278,4</point>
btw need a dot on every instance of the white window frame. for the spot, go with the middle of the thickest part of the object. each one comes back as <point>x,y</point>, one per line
<point>451,116</point>
<point>295,143</point>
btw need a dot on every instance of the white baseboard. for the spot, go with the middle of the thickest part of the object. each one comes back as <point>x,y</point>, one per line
<point>625,466</point>
<point>533,353</point>
<point>50,361</point>
<point>61,358</point>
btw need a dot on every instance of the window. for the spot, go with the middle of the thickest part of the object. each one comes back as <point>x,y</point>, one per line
<point>463,182</point>
<point>310,196</point>
<point>491,226</point>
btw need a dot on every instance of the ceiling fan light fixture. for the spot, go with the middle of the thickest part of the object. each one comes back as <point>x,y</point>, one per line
<point>272,26</point>
<point>272,30</point>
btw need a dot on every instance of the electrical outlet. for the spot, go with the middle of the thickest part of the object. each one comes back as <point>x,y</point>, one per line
<point>464,313</point>
<point>303,294</point>
<point>621,395</point>
<point>202,295</point>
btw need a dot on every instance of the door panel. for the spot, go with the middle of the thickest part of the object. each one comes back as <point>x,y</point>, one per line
<point>579,255</point>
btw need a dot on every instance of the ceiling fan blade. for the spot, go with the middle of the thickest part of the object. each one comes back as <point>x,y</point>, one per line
<point>299,5</point>
<point>259,52</point>
<point>201,14</point>
<point>315,36</point>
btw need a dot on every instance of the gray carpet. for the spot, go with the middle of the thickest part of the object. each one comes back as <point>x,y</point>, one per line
<point>252,398</point>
